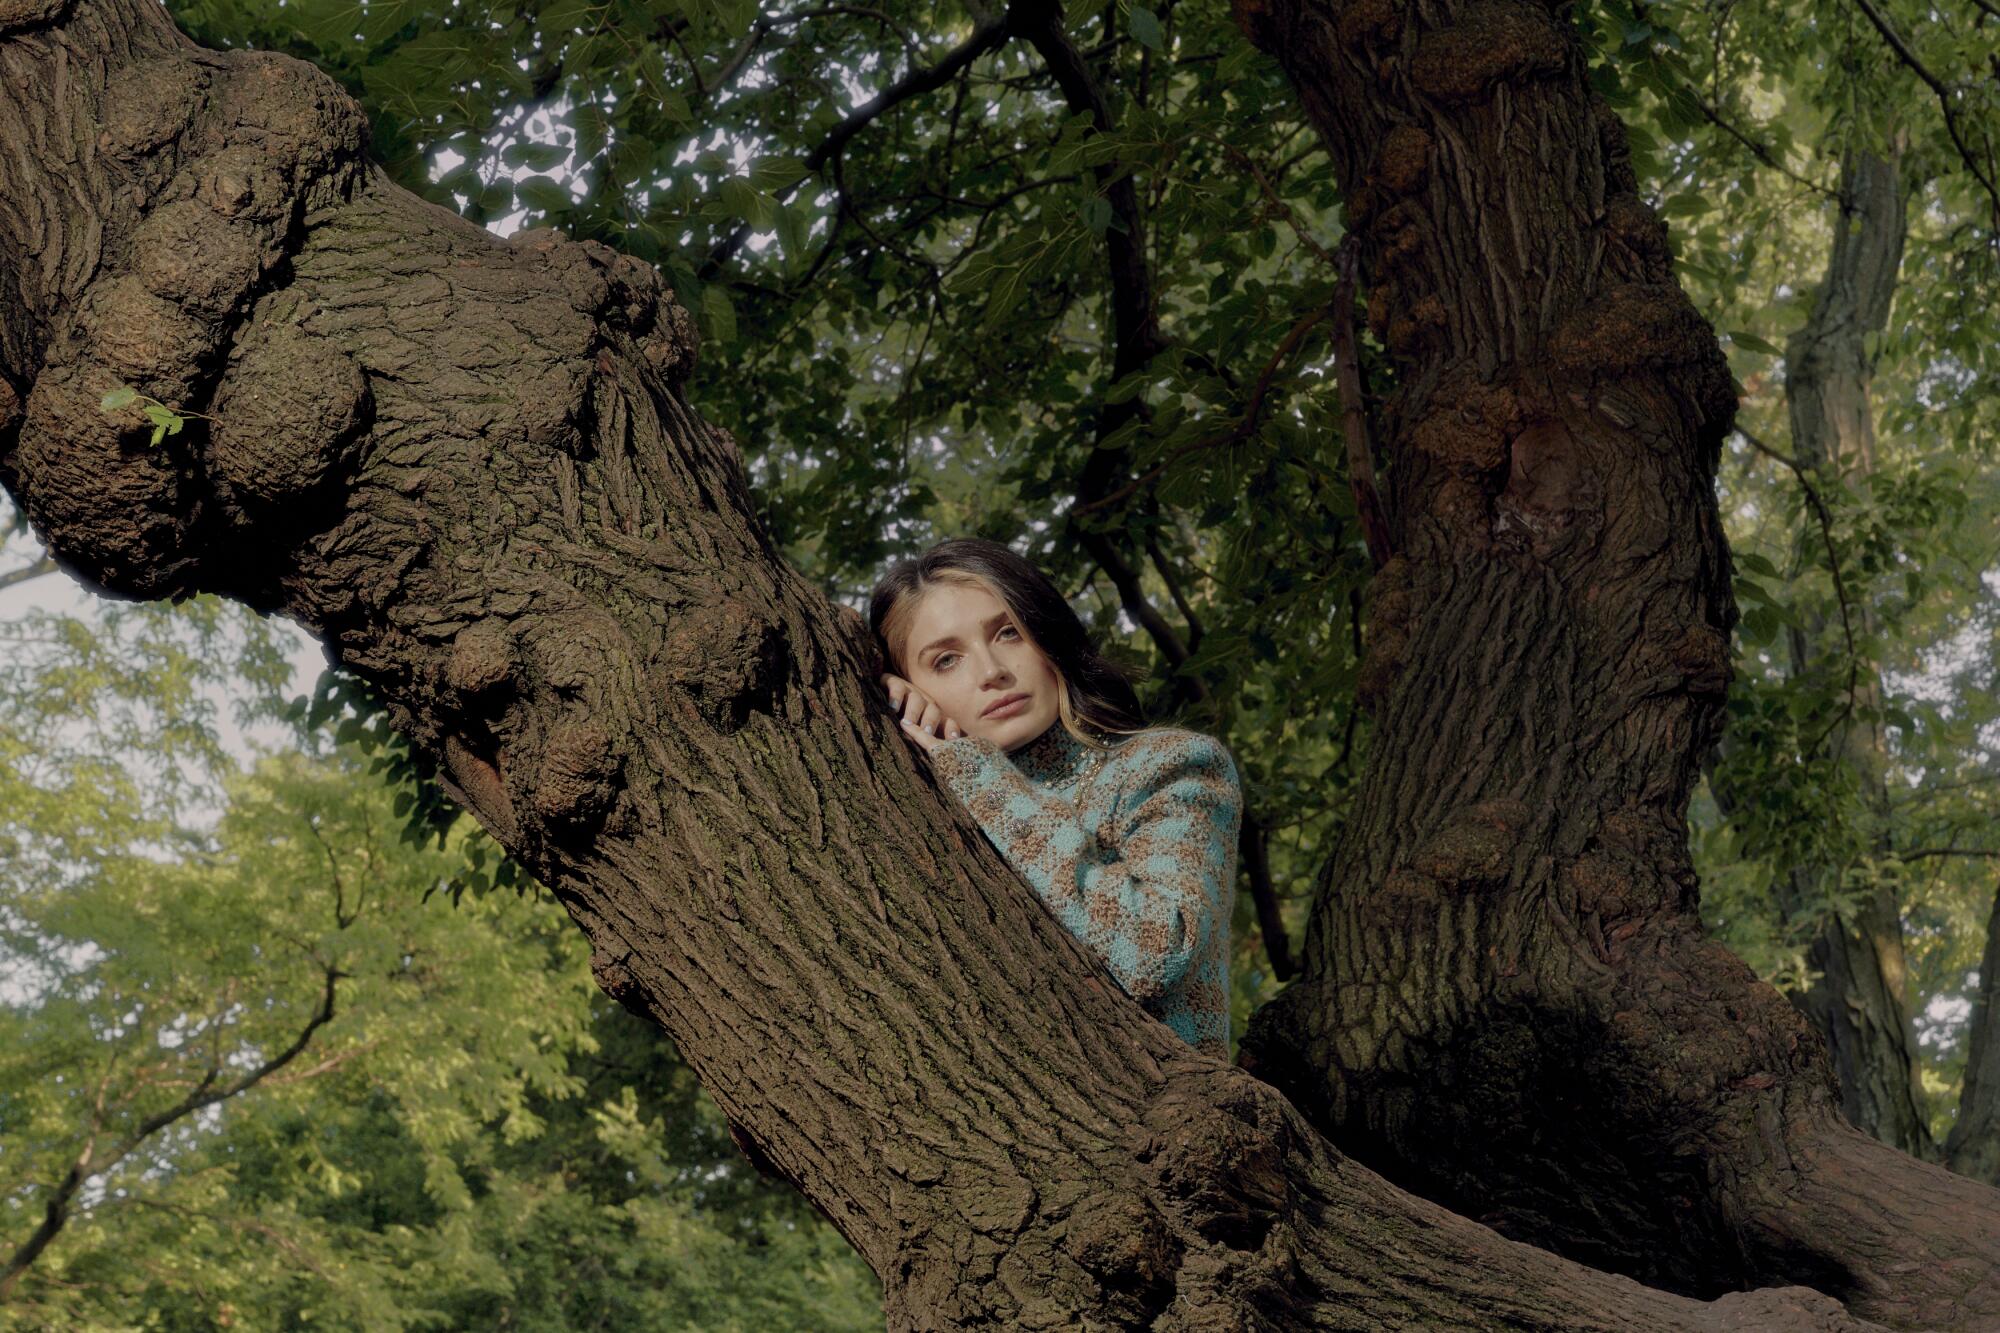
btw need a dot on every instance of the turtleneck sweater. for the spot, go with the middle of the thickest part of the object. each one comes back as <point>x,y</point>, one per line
<point>1133,849</point>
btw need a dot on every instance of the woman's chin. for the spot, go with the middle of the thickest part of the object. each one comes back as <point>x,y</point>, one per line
<point>1011,732</point>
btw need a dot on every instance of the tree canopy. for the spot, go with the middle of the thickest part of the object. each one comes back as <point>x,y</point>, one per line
<point>1077,278</point>
<point>896,231</point>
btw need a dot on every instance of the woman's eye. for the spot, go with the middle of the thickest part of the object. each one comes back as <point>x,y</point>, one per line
<point>1009,629</point>
<point>942,660</point>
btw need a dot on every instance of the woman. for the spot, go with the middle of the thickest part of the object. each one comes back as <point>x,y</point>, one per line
<point>1127,832</point>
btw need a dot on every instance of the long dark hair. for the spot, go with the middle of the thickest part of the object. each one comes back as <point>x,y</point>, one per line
<point>1097,696</point>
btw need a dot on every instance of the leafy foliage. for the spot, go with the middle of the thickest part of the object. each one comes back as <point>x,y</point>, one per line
<point>909,316</point>
<point>914,326</point>
<point>312,1090</point>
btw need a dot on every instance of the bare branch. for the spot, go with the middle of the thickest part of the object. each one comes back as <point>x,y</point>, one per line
<point>1928,853</point>
<point>1354,414</point>
<point>1243,428</point>
<point>1944,99</point>
<point>1758,149</point>
<point>986,37</point>
<point>1833,563</point>
<point>27,573</point>
<point>204,1094</point>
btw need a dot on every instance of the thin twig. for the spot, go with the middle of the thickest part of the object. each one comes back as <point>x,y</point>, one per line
<point>1354,412</point>
<point>1161,563</point>
<point>1943,94</point>
<point>204,1094</point>
<point>1833,563</point>
<point>987,37</point>
<point>1758,149</point>
<point>1924,853</point>
<point>1242,429</point>
<point>15,577</point>
<point>1353,708</point>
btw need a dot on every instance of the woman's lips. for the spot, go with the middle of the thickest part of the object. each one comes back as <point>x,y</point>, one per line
<point>1009,708</point>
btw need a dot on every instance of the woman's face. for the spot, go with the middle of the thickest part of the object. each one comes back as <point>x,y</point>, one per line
<point>965,651</point>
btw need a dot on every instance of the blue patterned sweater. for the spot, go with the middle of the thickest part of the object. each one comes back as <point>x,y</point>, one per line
<point>1134,850</point>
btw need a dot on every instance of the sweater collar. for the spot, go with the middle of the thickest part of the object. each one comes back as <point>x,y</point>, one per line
<point>1055,758</point>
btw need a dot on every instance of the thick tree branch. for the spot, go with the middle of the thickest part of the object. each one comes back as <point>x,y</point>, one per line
<point>1973,1147</point>
<point>1134,325</point>
<point>1548,658</point>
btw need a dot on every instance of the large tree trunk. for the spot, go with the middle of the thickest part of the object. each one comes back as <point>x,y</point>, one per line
<point>1506,1001</point>
<point>1973,1146</point>
<point>468,465</point>
<point>1858,997</point>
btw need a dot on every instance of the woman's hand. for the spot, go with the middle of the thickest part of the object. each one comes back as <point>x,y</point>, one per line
<point>923,721</point>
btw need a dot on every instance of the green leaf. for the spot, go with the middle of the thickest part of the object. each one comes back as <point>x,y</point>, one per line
<point>1760,625</point>
<point>641,241</point>
<point>544,194</point>
<point>534,156</point>
<point>791,235</point>
<point>746,201</point>
<point>1131,386</point>
<point>775,173</point>
<point>122,396</point>
<point>718,314</point>
<point>1003,295</point>
<point>497,199</point>
<point>1146,29</point>
<point>1751,591</point>
<point>674,106</point>
<point>1754,343</point>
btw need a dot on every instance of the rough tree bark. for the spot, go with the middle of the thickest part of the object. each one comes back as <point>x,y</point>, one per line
<point>1506,1001</point>
<point>1857,1001</point>
<point>469,466</point>
<point>1973,1146</point>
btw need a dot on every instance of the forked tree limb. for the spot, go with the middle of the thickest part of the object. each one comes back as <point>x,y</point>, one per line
<point>468,465</point>
<point>1506,999</point>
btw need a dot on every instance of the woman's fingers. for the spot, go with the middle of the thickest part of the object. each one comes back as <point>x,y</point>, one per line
<point>922,719</point>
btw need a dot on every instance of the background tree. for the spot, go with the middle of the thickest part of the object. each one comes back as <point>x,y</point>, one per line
<point>259,1068</point>
<point>1831,208</point>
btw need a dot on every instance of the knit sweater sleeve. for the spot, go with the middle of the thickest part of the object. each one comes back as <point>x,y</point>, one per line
<point>1139,878</point>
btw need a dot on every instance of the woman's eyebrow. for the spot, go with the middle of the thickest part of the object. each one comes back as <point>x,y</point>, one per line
<point>991,621</point>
